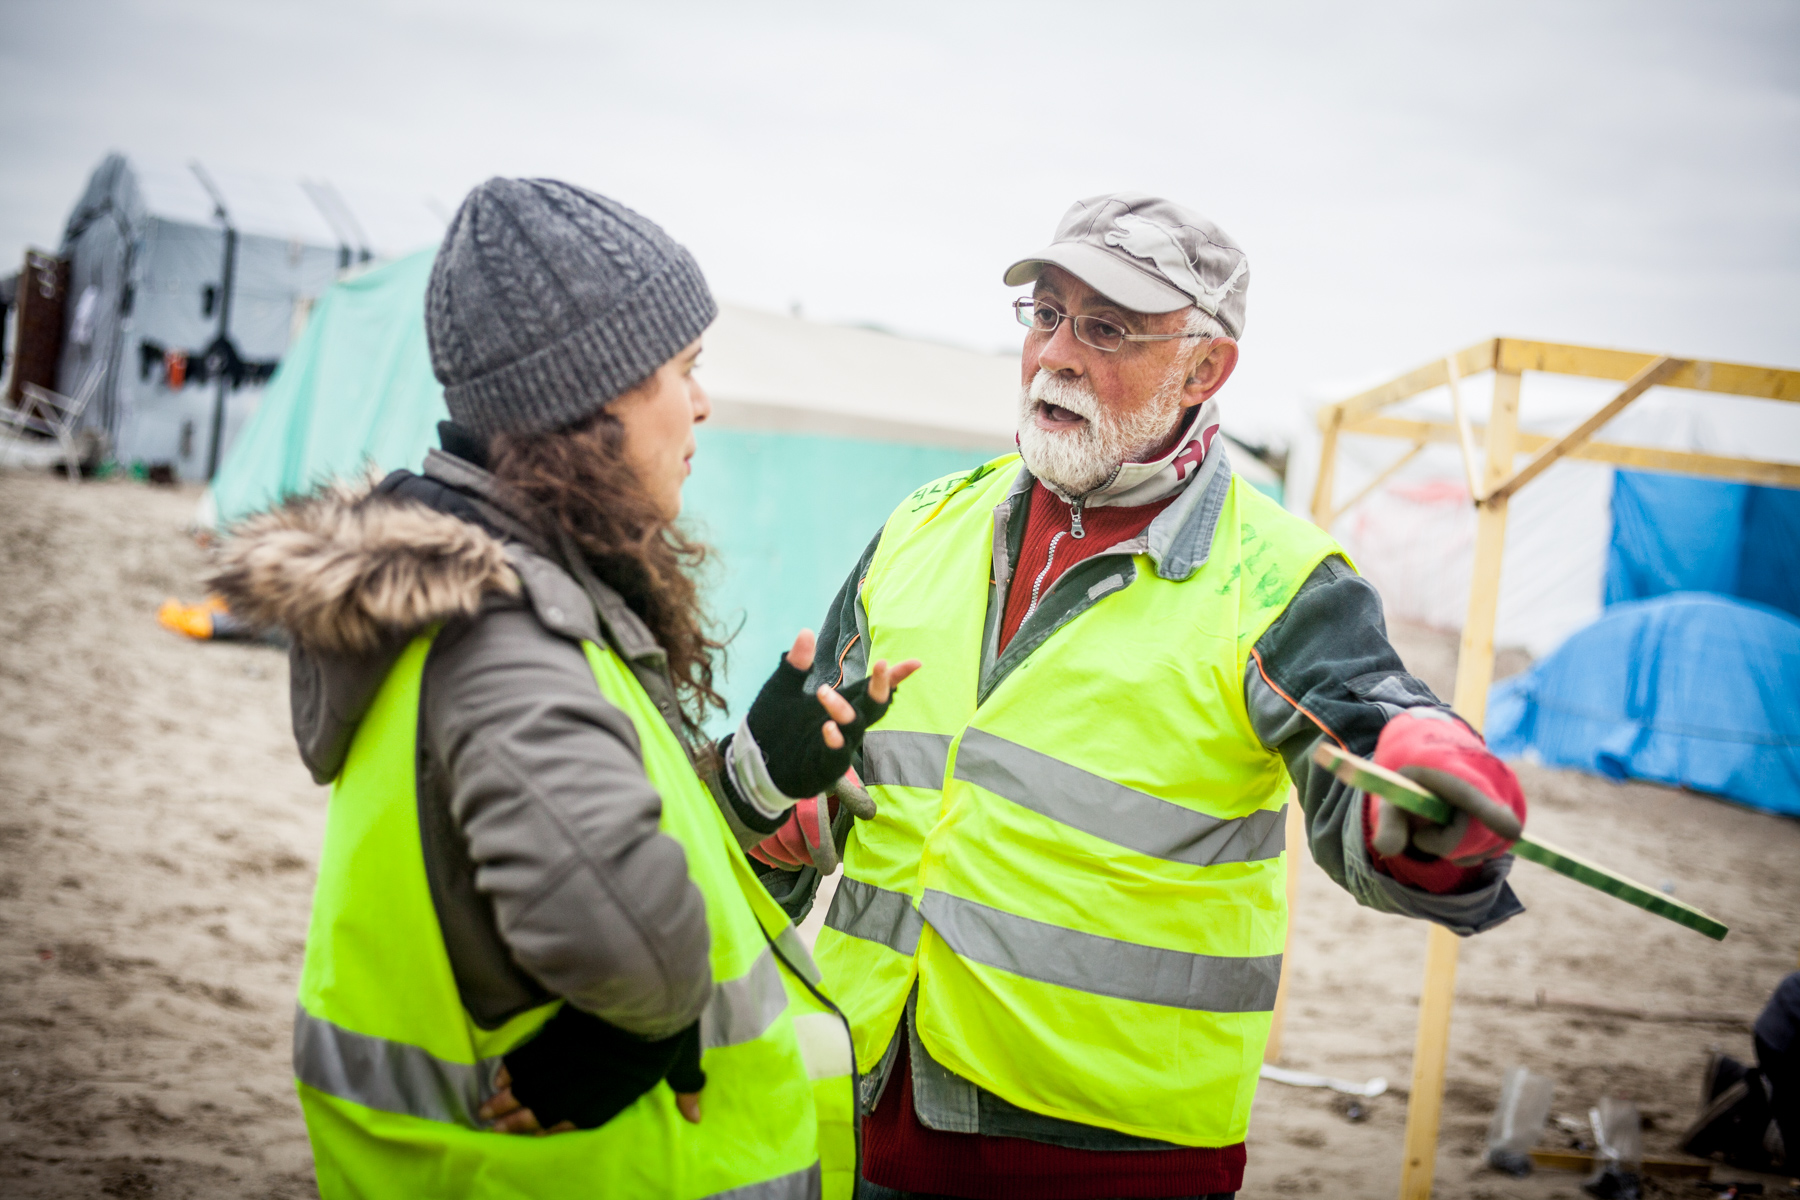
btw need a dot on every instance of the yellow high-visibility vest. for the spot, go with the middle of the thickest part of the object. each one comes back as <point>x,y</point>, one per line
<point>392,1069</point>
<point>1084,870</point>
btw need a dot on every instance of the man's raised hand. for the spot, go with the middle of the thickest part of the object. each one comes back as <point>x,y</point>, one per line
<point>808,739</point>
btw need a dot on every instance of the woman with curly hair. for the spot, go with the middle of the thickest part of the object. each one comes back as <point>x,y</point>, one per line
<point>534,912</point>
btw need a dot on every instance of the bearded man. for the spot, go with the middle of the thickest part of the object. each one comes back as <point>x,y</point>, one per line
<point>1058,940</point>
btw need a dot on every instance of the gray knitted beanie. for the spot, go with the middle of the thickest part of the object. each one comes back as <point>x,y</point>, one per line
<point>547,301</point>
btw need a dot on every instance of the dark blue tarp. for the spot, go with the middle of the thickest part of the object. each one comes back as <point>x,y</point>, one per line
<point>1696,690</point>
<point>1674,533</point>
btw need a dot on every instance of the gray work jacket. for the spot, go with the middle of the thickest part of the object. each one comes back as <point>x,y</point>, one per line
<point>547,869</point>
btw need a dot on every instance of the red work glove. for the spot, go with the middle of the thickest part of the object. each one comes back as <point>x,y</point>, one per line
<point>805,838</point>
<point>1434,749</point>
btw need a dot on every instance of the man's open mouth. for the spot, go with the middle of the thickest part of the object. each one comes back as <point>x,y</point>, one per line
<point>1055,415</point>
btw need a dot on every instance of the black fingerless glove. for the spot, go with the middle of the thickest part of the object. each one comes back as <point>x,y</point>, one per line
<point>587,1071</point>
<point>788,723</point>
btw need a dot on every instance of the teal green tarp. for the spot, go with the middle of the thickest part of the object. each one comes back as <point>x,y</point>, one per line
<point>787,514</point>
<point>355,391</point>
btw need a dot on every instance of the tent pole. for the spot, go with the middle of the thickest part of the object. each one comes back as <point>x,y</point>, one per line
<point>1474,672</point>
<point>219,355</point>
<point>228,276</point>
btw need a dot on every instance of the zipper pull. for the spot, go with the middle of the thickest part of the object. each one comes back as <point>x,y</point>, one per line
<point>1075,529</point>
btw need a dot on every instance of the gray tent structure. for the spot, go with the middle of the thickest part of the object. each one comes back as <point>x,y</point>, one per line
<point>188,287</point>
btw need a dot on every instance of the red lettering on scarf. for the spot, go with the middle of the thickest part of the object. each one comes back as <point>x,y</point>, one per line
<point>1195,454</point>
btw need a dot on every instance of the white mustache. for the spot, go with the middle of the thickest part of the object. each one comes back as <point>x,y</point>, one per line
<point>1076,395</point>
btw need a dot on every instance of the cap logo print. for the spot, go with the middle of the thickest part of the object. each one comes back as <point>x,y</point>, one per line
<point>1148,240</point>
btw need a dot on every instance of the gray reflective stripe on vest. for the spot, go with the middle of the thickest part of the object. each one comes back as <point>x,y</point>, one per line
<point>742,1009</point>
<point>1104,966</point>
<point>905,759</point>
<point>801,1185</point>
<point>794,952</point>
<point>389,1076</point>
<point>398,1078</point>
<point>865,911</point>
<point>1118,814</point>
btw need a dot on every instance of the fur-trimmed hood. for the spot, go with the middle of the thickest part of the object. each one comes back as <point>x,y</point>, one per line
<point>346,570</point>
<point>354,573</point>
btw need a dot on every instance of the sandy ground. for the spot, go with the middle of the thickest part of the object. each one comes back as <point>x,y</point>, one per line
<point>158,838</point>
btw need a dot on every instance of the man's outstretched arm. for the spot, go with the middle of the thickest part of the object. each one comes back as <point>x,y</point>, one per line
<point>1325,671</point>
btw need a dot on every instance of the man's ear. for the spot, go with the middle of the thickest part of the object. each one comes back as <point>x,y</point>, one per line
<point>1210,371</point>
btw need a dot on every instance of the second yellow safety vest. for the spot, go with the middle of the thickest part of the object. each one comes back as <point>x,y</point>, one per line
<point>391,1068</point>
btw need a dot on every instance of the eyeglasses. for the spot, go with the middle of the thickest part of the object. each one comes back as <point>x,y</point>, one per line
<point>1101,334</point>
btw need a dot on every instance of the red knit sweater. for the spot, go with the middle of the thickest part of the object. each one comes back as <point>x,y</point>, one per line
<point>901,1153</point>
<point>1105,528</point>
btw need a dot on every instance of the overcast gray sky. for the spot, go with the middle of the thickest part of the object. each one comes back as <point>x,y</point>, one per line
<point>1406,178</point>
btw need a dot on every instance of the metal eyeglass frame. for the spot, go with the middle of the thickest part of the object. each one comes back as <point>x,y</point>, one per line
<point>1025,306</point>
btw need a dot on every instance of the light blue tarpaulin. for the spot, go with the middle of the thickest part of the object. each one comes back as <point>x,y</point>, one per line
<point>1674,533</point>
<point>1689,689</point>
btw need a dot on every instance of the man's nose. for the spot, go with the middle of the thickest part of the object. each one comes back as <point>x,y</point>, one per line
<point>1063,352</point>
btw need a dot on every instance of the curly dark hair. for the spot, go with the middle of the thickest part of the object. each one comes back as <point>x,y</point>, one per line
<point>577,480</point>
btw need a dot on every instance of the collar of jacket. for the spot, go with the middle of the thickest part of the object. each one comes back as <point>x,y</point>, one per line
<point>1180,539</point>
<point>565,594</point>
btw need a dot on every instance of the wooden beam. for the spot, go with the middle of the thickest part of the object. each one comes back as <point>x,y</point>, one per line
<point>1734,379</point>
<point>1644,458</point>
<point>1471,360</point>
<point>1368,489</point>
<point>1295,847</point>
<point>1326,479</point>
<point>1474,672</point>
<point>1464,438</point>
<point>1666,1168</point>
<point>1658,371</point>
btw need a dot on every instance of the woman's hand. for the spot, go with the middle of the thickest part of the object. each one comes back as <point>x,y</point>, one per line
<point>506,1115</point>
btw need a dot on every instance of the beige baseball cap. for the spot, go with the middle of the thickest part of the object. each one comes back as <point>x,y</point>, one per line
<point>1149,254</point>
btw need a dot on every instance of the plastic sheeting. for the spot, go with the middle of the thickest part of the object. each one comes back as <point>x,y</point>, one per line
<point>1688,689</point>
<point>1677,534</point>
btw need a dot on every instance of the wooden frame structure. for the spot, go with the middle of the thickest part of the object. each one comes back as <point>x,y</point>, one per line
<point>1492,482</point>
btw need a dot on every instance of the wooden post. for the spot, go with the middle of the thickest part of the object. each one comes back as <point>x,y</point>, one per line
<point>1296,846</point>
<point>1326,478</point>
<point>1474,672</point>
<point>1640,383</point>
<point>1368,489</point>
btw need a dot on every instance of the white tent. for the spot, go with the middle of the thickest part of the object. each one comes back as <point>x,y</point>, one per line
<point>1413,536</point>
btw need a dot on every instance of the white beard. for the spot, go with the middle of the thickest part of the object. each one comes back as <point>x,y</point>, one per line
<point>1074,462</point>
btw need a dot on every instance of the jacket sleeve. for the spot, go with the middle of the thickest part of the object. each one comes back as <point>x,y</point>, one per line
<point>547,788</point>
<point>841,658</point>
<point>1325,670</point>
<point>843,653</point>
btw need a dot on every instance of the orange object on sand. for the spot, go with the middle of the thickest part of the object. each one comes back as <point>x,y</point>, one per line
<point>193,620</point>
